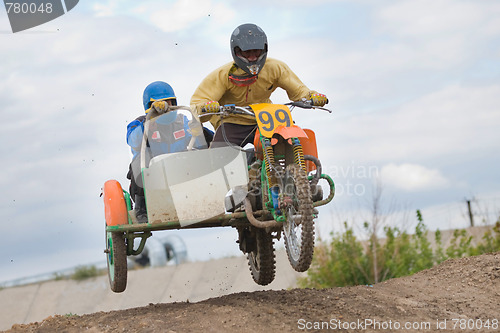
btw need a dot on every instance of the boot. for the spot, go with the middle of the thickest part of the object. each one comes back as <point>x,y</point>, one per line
<point>140,209</point>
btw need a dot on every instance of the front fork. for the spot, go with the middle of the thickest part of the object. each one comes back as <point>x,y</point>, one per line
<point>270,178</point>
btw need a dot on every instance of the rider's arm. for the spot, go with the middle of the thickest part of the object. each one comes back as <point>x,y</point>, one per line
<point>135,132</point>
<point>290,82</point>
<point>212,88</point>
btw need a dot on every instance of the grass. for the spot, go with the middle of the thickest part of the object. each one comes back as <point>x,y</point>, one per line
<point>86,272</point>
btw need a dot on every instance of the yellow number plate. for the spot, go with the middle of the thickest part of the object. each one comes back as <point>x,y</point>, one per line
<point>270,116</point>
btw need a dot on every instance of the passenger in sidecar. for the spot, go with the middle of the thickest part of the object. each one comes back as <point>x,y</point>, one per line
<point>168,133</point>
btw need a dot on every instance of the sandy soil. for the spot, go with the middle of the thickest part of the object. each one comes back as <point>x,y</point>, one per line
<point>457,296</point>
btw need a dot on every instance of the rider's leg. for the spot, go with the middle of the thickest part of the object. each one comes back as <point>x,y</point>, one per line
<point>228,134</point>
<point>233,134</point>
<point>137,195</point>
<point>140,209</point>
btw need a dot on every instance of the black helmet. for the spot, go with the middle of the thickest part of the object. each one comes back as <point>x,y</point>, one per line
<point>249,37</point>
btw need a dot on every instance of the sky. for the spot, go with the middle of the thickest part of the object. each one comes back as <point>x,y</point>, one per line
<point>414,87</point>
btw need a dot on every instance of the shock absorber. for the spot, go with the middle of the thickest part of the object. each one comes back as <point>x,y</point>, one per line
<point>298,154</point>
<point>269,162</point>
<point>271,176</point>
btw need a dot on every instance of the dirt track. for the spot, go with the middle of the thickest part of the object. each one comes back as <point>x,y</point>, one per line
<point>462,292</point>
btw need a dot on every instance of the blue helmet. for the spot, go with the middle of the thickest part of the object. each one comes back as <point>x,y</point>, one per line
<point>156,91</point>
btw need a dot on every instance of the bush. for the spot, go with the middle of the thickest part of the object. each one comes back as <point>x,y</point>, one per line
<point>342,262</point>
<point>346,261</point>
<point>491,241</point>
<point>85,272</point>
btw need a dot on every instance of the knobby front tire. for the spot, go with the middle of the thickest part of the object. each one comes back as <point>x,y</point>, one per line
<point>298,227</point>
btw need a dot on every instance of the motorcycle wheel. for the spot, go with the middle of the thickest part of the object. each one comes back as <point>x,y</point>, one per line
<point>298,227</point>
<point>261,259</point>
<point>116,257</point>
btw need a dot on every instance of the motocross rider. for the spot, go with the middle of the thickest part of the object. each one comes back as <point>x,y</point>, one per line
<point>249,79</point>
<point>158,95</point>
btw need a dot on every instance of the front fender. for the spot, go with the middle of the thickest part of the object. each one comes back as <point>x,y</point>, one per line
<point>293,131</point>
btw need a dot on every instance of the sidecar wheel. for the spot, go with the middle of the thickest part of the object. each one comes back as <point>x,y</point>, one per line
<point>298,227</point>
<point>262,259</point>
<point>116,255</point>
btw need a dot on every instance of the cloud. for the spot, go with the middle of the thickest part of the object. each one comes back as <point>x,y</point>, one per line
<point>184,13</point>
<point>445,32</point>
<point>457,121</point>
<point>418,99</point>
<point>412,177</point>
<point>434,18</point>
<point>431,43</point>
<point>171,16</point>
<point>103,9</point>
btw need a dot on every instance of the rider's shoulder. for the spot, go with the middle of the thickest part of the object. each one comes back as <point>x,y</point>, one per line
<point>224,69</point>
<point>274,69</point>
<point>219,73</point>
<point>274,61</point>
<point>137,121</point>
<point>273,64</point>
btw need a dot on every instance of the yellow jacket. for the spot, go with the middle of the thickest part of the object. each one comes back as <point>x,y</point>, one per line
<point>217,87</point>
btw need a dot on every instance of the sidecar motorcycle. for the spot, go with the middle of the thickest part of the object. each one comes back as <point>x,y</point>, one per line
<point>275,192</point>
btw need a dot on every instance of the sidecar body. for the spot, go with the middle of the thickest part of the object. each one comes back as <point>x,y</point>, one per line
<point>189,187</point>
<point>181,188</point>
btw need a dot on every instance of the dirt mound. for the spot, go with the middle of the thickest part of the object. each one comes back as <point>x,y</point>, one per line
<point>458,295</point>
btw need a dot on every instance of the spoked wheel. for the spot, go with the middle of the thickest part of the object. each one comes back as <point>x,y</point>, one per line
<point>298,227</point>
<point>116,254</point>
<point>261,259</point>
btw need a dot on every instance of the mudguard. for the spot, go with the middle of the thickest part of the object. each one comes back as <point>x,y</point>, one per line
<point>309,147</point>
<point>115,208</point>
<point>292,131</point>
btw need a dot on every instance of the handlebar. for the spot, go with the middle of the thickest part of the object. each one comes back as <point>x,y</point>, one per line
<point>307,104</point>
<point>246,110</point>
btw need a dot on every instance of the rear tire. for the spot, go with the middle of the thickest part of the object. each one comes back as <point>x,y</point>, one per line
<point>116,255</point>
<point>262,260</point>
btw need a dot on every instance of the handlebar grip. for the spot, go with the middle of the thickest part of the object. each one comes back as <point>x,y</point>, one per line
<point>305,104</point>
